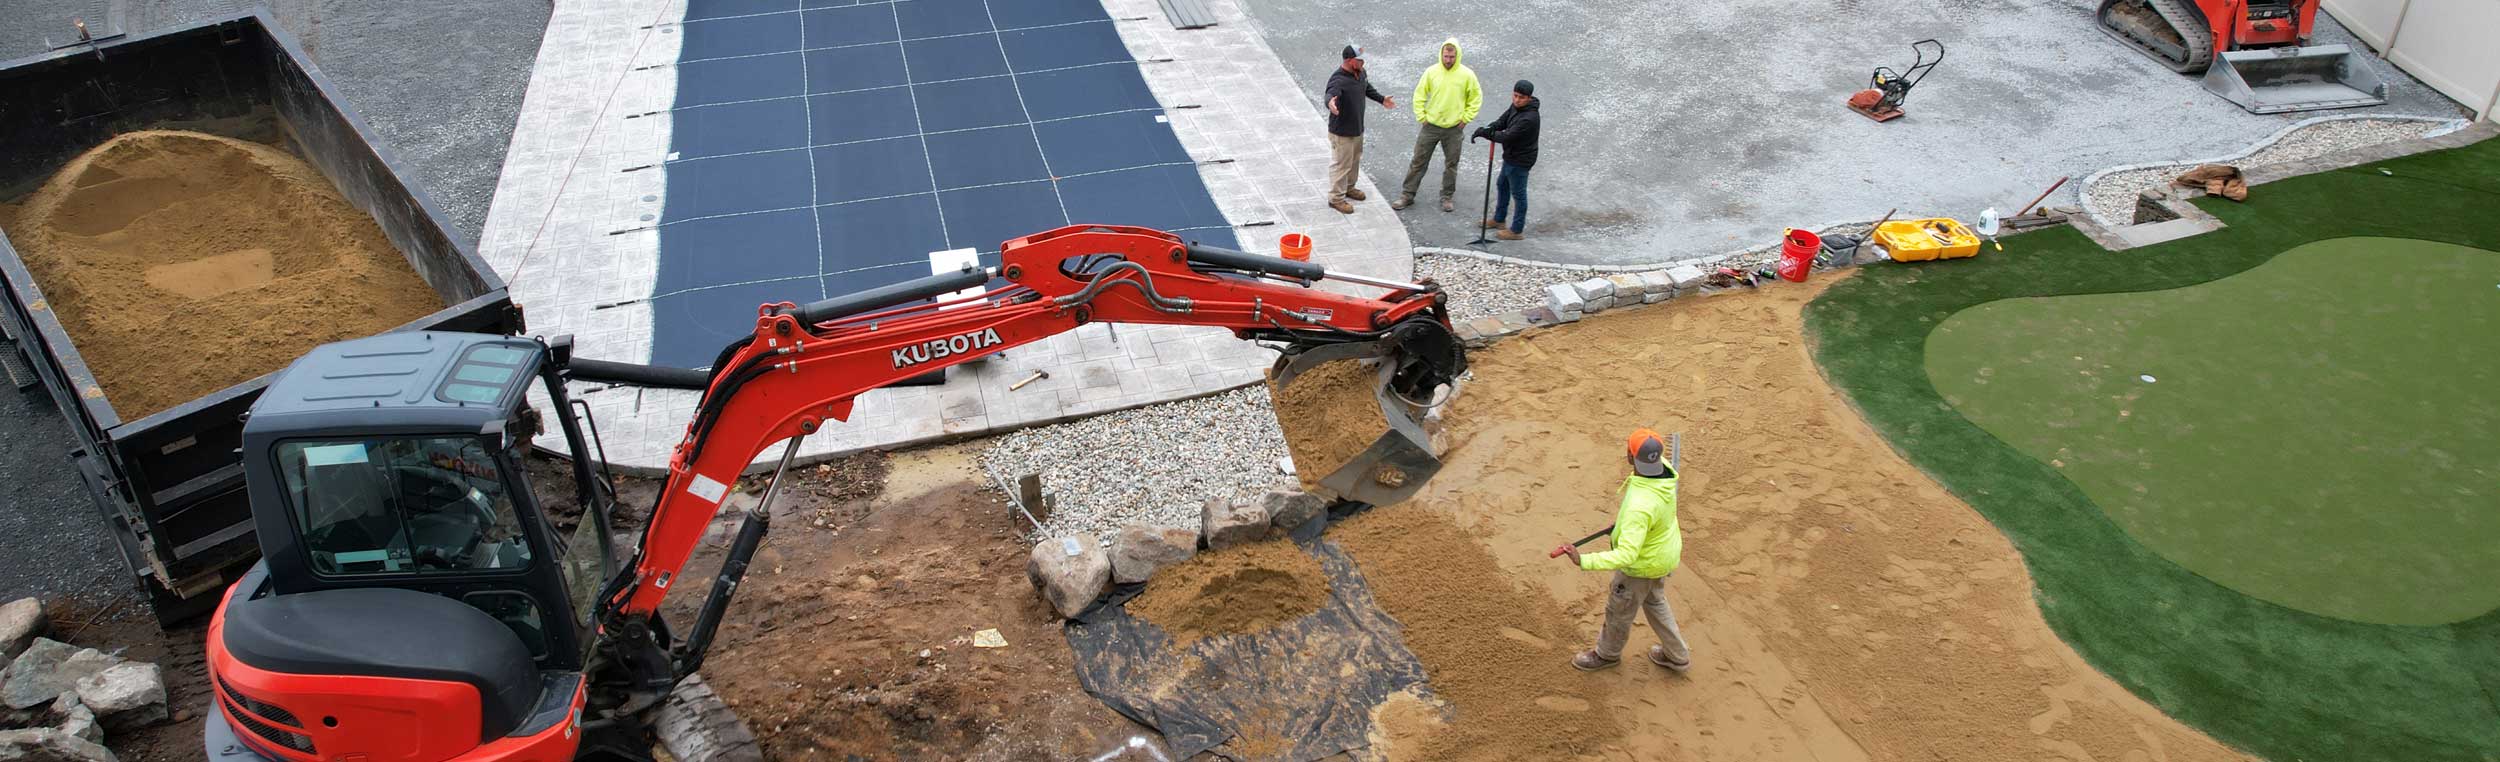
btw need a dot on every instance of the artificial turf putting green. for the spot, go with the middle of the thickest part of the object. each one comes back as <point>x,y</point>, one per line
<point>2317,431</point>
<point>2278,681</point>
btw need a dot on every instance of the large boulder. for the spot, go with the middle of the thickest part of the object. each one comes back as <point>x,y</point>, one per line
<point>20,623</point>
<point>1140,550</point>
<point>1227,523</point>
<point>48,669</point>
<point>1287,511</point>
<point>126,695</point>
<point>49,745</point>
<point>1070,572</point>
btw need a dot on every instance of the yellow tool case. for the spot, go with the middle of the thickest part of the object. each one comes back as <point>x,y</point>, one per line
<point>1921,240</point>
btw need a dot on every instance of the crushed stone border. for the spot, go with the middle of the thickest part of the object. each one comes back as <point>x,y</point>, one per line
<point>2084,190</point>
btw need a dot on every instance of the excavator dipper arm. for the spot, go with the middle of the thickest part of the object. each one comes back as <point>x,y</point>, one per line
<point>805,366</point>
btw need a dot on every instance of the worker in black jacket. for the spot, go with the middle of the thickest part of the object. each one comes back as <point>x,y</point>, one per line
<point>1516,130</point>
<point>1347,89</point>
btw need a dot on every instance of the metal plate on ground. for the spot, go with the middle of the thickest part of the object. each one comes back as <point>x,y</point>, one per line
<point>1188,14</point>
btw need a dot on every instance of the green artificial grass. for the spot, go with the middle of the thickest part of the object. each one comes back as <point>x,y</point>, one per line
<point>2280,682</point>
<point>2305,432</point>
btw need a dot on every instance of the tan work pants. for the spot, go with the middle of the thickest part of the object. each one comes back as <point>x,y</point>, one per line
<point>1345,164</point>
<point>1649,596</point>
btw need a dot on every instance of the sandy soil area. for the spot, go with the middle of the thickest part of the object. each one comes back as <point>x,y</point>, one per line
<point>1234,591</point>
<point>1840,605</point>
<point>183,263</point>
<point>853,639</point>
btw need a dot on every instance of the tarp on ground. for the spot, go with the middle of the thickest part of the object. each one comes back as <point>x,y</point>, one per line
<point>1302,691</point>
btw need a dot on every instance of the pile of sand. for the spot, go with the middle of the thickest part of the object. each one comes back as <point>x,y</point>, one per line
<point>183,263</point>
<point>1235,591</point>
<point>1329,415</point>
<point>1497,652</point>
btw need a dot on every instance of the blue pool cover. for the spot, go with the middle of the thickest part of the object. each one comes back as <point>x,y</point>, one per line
<point>822,148</point>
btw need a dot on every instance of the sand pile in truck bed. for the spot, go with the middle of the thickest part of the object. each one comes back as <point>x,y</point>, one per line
<point>1235,591</point>
<point>183,263</point>
<point>1329,415</point>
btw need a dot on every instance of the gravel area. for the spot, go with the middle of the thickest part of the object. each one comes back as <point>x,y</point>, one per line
<point>1154,465</point>
<point>1480,287</point>
<point>2113,197</point>
<point>56,542</point>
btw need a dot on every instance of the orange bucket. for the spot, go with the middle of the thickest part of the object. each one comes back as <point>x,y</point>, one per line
<point>1295,246</point>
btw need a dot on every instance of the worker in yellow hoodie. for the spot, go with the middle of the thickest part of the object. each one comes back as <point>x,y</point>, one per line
<point>1446,99</point>
<point>1645,547</point>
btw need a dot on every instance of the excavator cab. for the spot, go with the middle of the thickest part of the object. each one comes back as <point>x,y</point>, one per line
<point>411,594</point>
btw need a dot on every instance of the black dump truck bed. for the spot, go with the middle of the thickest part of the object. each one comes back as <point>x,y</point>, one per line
<point>170,483</point>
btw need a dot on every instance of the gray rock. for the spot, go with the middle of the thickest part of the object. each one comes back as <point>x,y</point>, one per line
<point>1627,286</point>
<point>75,718</point>
<point>1655,297</point>
<point>126,695</point>
<point>1594,288</point>
<point>1599,304</point>
<point>1287,510</point>
<point>1686,276</point>
<point>1562,298</point>
<point>1654,281</point>
<point>1070,572</point>
<point>20,623</point>
<point>1141,550</point>
<point>46,670</point>
<point>50,745</point>
<point>1226,523</point>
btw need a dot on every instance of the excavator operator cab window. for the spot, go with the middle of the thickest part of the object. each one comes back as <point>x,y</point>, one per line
<point>402,505</point>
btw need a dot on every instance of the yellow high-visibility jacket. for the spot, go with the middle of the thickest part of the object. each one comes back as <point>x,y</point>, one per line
<point>1448,96</point>
<point>1646,541</point>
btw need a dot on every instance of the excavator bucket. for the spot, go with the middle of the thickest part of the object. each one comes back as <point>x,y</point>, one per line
<point>2300,78</point>
<point>1351,412</point>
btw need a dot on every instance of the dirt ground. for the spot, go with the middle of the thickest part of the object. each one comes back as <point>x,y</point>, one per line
<point>853,640</point>
<point>1839,604</point>
<point>183,263</point>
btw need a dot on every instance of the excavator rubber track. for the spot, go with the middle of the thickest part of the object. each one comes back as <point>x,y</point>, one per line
<point>2171,31</point>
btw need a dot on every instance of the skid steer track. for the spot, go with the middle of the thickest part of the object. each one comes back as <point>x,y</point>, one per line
<point>2171,31</point>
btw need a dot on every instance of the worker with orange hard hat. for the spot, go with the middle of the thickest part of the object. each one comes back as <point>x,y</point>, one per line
<point>1645,547</point>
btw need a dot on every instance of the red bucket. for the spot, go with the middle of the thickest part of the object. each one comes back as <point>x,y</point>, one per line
<point>1797,254</point>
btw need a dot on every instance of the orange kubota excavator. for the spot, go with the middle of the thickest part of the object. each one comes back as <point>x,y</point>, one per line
<point>414,605</point>
<point>2252,52</point>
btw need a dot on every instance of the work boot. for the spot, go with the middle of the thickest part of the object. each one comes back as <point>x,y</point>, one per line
<point>1448,205</point>
<point>1402,202</point>
<point>1589,661</point>
<point>1490,224</point>
<point>1658,656</point>
<point>1355,193</point>
<point>1341,206</point>
<point>1508,236</point>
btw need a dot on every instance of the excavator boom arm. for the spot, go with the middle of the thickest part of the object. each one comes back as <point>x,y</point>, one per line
<point>805,366</point>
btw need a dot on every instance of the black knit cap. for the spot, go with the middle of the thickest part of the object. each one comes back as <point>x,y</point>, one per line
<point>1524,88</point>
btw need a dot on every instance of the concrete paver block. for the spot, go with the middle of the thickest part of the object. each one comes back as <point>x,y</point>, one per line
<point>1628,285</point>
<point>1563,298</point>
